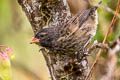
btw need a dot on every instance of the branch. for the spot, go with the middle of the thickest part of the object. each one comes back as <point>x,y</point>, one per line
<point>111,60</point>
<point>48,61</point>
<point>105,39</point>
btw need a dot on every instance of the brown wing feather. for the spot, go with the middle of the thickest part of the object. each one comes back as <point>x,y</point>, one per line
<point>79,30</point>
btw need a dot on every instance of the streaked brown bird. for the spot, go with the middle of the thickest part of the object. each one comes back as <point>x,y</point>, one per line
<point>70,37</point>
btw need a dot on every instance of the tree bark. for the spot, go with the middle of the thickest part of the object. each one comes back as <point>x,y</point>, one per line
<point>50,13</point>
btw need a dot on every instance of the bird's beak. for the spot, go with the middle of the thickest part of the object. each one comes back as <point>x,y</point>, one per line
<point>34,40</point>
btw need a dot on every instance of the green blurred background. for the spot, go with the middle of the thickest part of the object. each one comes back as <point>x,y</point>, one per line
<point>16,32</point>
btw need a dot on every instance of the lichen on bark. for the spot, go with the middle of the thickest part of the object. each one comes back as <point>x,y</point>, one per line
<point>44,13</point>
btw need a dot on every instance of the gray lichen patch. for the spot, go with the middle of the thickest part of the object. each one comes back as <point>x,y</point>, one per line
<point>43,13</point>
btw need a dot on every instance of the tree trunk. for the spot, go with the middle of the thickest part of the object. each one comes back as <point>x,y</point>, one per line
<point>50,13</point>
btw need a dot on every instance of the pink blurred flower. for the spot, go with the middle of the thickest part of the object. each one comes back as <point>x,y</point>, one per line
<point>9,51</point>
<point>3,55</point>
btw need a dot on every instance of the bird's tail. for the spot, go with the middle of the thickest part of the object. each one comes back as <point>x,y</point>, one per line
<point>95,7</point>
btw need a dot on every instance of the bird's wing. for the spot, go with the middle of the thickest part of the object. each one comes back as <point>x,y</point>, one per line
<point>81,26</point>
<point>84,23</point>
<point>76,22</point>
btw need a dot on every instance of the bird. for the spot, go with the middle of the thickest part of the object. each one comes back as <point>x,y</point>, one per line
<point>71,36</point>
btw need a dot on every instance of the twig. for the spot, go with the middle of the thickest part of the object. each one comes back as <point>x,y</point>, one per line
<point>106,8</point>
<point>3,46</point>
<point>104,41</point>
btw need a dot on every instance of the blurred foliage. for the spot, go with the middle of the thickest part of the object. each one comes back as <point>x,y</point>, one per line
<point>16,31</point>
<point>5,64</point>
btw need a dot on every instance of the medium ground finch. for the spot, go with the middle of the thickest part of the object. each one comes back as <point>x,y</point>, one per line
<point>71,36</point>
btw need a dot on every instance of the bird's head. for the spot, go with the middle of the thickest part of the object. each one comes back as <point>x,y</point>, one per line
<point>44,37</point>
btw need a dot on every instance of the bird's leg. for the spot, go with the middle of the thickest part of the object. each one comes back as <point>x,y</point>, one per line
<point>98,45</point>
<point>87,52</point>
<point>42,49</point>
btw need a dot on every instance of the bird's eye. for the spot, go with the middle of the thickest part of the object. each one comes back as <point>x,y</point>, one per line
<point>41,35</point>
